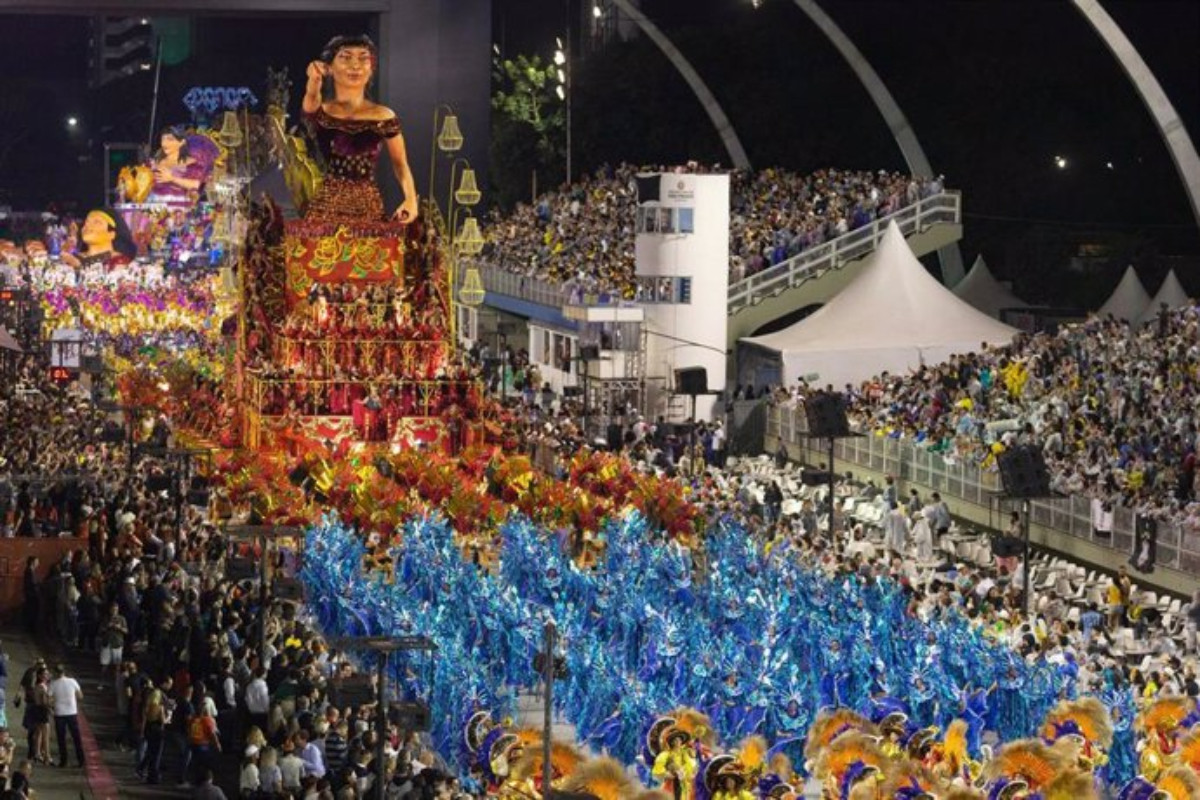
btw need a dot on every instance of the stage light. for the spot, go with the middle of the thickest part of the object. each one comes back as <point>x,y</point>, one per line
<point>1108,164</point>
<point>558,90</point>
<point>559,57</point>
<point>597,12</point>
<point>562,77</point>
<point>72,122</point>
<point>1060,162</point>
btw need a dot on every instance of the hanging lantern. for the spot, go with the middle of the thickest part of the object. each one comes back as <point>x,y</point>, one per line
<point>472,293</point>
<point>450,140</point>
<point>469,240</point>
<point>468,193</point>
<point>231,131</point>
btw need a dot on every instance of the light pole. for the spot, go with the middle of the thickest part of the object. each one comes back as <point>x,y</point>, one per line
<point>383,647</point>
<point>464,241</point>
<point>262,534</point>
<point>449,140</point>
<point>562,64</point>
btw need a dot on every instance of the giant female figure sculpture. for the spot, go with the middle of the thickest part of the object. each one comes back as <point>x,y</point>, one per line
<point>349,131</point>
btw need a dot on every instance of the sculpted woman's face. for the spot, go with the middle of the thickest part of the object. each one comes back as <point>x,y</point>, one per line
<point>170,145</point>
<point>352,66</point>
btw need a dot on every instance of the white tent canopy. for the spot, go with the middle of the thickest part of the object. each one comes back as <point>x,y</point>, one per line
<point>981,289</point>
<point>1171,293</point>
<point>894,316</point>
<point>1128,300</point>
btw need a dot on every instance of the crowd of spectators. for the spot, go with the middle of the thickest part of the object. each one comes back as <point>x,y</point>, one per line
<point>1110,406</point>
<point>203,673</point>
<point>155,596</point>
<point>582,235</point>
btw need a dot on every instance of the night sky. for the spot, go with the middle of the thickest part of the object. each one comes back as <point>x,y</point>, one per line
<point>995,90</point>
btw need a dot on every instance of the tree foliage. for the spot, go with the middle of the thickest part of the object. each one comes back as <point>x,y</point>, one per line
<point>528,128</point>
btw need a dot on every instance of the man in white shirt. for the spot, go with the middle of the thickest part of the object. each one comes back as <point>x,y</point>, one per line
<point>258,699</point>
<point>65,695</point>
<point>718,445</point>
<point>859,545</point>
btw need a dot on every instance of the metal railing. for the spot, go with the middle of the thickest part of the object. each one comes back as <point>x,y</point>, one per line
<point>944,207</point>
<point>1178,546</point>
<point>546,293</point>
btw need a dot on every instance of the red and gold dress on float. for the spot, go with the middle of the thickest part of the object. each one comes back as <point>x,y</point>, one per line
<point>362,352</point>
<point>350,148</point>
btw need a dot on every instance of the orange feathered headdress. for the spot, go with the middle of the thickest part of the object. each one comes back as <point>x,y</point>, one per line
<point>1165,714</point>
<point>846,751</point>
<point>752,755</point>
<point>1180,783</point>
<point>565,759</point>
<point>697,724</point>
<point>605,778</point>
<point>1087,717</point>
<point>1031,760</point>
<point>829,725</point>
<point>1189,750</point>
<point>1073,784</point>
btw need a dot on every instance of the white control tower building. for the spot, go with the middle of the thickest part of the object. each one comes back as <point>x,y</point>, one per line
<point>682,254</point>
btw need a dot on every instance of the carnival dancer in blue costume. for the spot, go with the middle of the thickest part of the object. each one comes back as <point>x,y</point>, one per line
<point>1122,758</point>
<point>974,707</point>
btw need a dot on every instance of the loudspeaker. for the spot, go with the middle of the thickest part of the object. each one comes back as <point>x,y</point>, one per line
<point>353,691</point>
<point>613,436</point>
<point>239,569</point>
<point>814,477</point>
<point>288,589</point>
<point>693,380</point>
<point>112,433</point>
<point>589,352</point>
<point>1023,472</point>
<point>409,715</point>
<point>826,415</point>
<point>197,497</point>
<point>158,482</point>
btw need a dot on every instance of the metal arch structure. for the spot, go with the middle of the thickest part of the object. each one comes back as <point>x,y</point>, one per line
<point>914,155</point>
<point>720,121</point>
<point>1175,135</point>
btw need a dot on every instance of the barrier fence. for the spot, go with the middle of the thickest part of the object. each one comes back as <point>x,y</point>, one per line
<point>1177,546</point>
